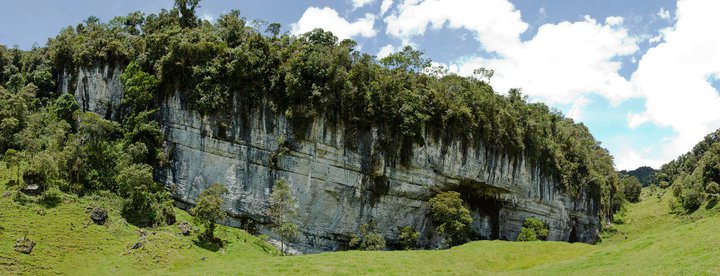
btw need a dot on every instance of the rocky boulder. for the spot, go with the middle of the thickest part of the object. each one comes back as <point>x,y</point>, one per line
<point>24,245</point>
<point>99,215</point>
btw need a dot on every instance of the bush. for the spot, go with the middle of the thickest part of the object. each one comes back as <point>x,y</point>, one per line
<point>208,209</point>
<point>367,240</point>
<point>712,188</point>
<point>408,237</point>
<point>450,216</point>
<point>691,199</point>
<point>527,234</point>
<point>533,229</point>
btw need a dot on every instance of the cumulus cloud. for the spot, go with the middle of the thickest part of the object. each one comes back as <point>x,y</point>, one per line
<point>386,51</point>
<point>664,14</point>
<point>385,6</point>
<point>496,23</point>
<point>563,62</point>
<point>329,20</point>
<point>673,77</point>
<point>360,3</point>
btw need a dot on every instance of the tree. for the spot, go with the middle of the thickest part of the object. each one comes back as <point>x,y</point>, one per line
<point>65,108</point>
<point>12,158</point>
<point>208,209</point>
<point>274,29</point>
<point>712,188</point>
<point>450,216</point>
<point>187,12</point>
<point>632,188</point>
<point>146,201</point>
<point>282,206</point>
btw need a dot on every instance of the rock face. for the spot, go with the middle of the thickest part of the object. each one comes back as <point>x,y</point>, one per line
<point>337,187</point>
<point>97,89</point>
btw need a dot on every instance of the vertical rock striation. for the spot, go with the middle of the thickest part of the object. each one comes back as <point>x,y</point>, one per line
<point>339,187</point>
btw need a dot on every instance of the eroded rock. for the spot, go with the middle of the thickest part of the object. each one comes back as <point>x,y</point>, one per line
<point>99,215</point>
<point>24,245</point>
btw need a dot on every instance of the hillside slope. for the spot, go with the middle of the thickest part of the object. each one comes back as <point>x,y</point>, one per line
<point>651,241</point>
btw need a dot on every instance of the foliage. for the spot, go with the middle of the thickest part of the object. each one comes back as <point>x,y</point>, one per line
<point>408,237</point>
<point>712,188</point>
<point>631,188</point>
<point>368,240</point>
<point>533,229</point>
<point>146,202</point>
<point>450,216</point>
<point>645,174</point>
<point>208,209</point>
<point>692,174</point>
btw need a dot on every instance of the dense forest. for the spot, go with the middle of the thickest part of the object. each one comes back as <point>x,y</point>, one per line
<point>303,77</point>
<point>694,176</point>
<point>644,174</point>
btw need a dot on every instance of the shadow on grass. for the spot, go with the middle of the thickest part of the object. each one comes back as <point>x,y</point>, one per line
<point>211,244</point>
<point>50,200</point>
<point>712,203</point>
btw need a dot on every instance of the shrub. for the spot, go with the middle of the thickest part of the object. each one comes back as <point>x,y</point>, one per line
<point>208,209</point>
<point>450,216</point>
<point>712,188</point>
<point>533,229</point>
<point>408,237</point>
<point>527,234</point>
<point>367,240</point>
<point>691,199</point>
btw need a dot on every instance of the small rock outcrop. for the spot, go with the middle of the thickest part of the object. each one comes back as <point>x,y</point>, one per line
<point>185,228</point>
<point>24,245</point>
<point>99,215</point>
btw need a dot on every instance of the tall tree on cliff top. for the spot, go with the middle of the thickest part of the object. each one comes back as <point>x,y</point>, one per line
<point>187,12</point>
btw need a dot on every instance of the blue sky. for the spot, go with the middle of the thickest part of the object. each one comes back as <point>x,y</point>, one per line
<point>642,75</point>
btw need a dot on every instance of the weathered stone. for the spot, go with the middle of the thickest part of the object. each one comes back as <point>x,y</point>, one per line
<point>99,215</point>
<point>24,245</point>
<point>339,188</point>
<point>185,228</point>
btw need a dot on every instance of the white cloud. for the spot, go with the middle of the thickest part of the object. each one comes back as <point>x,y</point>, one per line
<point>208,17</point>
<point>614,20</point>
<point>361,3</point>
<point>542,12</point>
<point>329,20</point>
<point>673,78</point>
<point>385,6</point>
<point>664,14</point>
<point>496,23</point>
<point>576,110</point>
<point>563,62</point>
<point>386,51</point>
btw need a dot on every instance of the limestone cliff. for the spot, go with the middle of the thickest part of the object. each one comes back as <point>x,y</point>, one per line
<point>338,188</point>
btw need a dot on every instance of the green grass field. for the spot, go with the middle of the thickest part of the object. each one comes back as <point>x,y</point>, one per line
<point>651,241</point>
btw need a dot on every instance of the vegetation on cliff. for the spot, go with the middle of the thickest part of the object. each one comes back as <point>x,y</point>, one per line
<point>231,63</point>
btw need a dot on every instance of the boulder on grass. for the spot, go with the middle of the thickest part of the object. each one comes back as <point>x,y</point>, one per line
<point>24,245</point>
<point>185,228</point>
<point>99,215</point>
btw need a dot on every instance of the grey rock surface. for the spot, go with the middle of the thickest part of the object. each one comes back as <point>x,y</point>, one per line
<point>338,188</point>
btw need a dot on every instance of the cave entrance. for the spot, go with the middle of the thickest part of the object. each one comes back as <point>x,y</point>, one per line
<point>483,199</point>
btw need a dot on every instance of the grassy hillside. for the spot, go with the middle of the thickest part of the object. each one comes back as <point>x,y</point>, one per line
<point>651,241</point>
